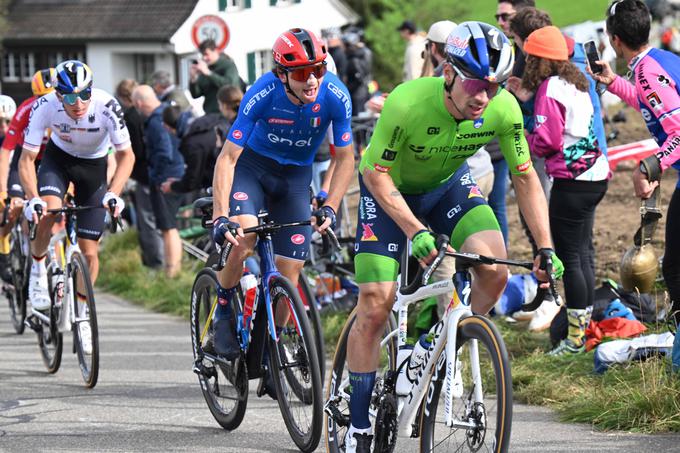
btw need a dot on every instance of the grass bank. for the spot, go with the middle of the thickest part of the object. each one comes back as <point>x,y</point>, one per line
<point>641,397</point>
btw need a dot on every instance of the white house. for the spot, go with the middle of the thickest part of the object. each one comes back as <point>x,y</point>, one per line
<point>133,38</point>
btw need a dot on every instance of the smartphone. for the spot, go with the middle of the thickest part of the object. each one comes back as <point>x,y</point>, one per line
<point>194,61</point>
<point>592,55</point>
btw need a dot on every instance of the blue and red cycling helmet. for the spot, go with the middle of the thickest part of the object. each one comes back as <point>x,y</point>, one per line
<point>480,51</point>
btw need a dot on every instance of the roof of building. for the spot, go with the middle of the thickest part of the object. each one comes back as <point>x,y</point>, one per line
<point>95,20</point>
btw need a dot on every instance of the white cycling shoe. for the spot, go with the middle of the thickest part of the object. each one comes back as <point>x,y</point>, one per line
<point>358,440</point>
<point>38,291</point>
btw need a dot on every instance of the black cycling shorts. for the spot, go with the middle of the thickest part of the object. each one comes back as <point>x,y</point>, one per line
<point>58,169</point>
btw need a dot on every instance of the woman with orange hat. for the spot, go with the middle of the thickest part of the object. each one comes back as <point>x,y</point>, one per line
<point>564,136</point>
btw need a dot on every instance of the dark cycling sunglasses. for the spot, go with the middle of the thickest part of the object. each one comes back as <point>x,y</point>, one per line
<point>72,98</point>
<point>302,73</point>
<point>504,16</point>
<point>5,120</point>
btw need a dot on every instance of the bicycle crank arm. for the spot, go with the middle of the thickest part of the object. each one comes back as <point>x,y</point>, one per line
<point>331,409</point>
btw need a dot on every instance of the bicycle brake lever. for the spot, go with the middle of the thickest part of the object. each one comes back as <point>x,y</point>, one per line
<point>334,238</point>
<point>442,245</point>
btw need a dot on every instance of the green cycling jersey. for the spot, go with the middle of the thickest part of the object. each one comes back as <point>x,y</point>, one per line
<point>419,143</point>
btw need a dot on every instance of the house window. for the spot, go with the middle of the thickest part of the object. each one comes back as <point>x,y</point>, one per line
<point>18,66</point>
<point>233,5</point>
<point>259,62</point>
<point>145,65</point>
<point>54,58</point>
<point>283,2</point>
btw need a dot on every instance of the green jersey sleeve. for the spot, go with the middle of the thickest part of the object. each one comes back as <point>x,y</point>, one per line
<point>389,135</point>
<point>511,137</point>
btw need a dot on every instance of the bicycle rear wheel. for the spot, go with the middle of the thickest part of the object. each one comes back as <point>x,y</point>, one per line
<point>85,329</point>
<point>309,301</point>
<point>294,361</point>
<point>478,425</point>
<point>224,384</point>
<point>339,389</point>
<point>17,294</point>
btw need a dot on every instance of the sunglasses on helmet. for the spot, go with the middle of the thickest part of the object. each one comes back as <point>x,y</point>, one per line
<point>72,98</point>
<point>302,73</point>
<point>475,86</point>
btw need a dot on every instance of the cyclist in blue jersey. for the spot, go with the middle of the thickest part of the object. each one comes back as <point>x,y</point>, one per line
<point>266,162</point>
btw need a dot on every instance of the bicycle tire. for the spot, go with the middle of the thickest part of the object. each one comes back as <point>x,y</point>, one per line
<point>492,356</point>
<point>296,340</point>
<point>50,340</point>
<point>216,378</point>
<point>338,380</point>
<point>88,362</point>
<point>18,293</point>
<point>309,301</point>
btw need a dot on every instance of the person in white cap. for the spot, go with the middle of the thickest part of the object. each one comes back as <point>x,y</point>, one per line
<point>436,41</point>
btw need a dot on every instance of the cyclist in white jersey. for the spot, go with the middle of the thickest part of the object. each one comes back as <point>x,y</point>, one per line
<point>84,122</point>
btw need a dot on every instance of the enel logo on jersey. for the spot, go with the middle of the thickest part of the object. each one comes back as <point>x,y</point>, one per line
<point>286,141</point>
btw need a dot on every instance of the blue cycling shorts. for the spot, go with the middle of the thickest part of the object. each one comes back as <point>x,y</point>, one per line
<point>261,183</point>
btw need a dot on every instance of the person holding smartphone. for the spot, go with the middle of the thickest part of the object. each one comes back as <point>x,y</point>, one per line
<point>656,95</point>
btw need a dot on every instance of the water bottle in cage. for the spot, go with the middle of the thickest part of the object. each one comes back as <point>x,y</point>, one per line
<point>413,359</point>
<point>249,290</point>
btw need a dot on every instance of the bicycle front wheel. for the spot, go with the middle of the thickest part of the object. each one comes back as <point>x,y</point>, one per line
<point>309,301</point>
<point>224,384</point>
<point>294,362</point>
<point>50,340</point>
<point>17,294</point>
<point>478,425</point>
<point>339,388</point>
<point>85,329</point>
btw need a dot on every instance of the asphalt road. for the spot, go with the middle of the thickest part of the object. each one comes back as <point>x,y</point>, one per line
<point>147,399</point>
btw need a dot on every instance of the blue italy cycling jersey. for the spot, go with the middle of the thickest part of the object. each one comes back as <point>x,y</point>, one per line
<point>271,125</point>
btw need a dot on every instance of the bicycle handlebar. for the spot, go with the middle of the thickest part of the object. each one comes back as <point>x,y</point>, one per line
<point>266,228</point>
<point>5,212</point>
<point>466,260</point>
<point>33,226</point>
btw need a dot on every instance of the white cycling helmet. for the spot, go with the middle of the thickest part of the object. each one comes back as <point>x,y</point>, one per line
<point>7,106</point>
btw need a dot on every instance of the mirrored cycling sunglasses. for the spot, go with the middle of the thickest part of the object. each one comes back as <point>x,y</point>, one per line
<point>475,86</point>
<point>302,73</point>
<point>72,98</point>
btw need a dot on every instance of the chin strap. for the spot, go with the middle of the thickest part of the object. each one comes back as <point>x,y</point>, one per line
<point>289,90</point>
<point>447,88</point>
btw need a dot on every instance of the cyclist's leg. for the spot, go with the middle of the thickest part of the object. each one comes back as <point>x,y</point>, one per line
<point>245,201</point>
<point>379,241</point>
<point>89,183</point>
<point>463,213</point>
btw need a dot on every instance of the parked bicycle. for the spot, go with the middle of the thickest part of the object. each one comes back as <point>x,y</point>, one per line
<point>288,353</point>
<point>72,306</point>
<point>458,394</point>
<point>20,265</point>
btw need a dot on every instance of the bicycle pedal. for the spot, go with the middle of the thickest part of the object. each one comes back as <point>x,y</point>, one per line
<point>31,323</point>
<point>202,370</point>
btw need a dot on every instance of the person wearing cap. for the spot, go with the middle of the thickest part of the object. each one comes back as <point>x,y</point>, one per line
<point>413,58</point>
<point>563,134</point>
<point>436,42</point>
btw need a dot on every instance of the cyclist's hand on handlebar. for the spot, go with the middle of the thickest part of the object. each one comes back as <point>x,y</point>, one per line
<point>30,211</point>
<point>118,206</point>
<point>424,246</point>
<point>225,230</point>
<point>323,217</point>
<point>546,260</point>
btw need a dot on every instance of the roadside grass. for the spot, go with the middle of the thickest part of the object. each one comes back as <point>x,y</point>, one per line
<point>639,396</point>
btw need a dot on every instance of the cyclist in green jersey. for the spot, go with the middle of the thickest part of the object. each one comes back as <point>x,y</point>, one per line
<point>413,175</point>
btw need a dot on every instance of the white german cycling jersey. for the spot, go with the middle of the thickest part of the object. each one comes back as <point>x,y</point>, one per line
<point>88,137</point>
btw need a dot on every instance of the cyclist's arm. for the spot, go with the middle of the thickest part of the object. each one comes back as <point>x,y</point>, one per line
<point>27,175</point>
<point>530,196</point>
<point>382,188</point>
<point>4,168</point>
<point>533,205</point>
<point>125,160</point>
<point>343,161</point>
<point>223,178</point>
